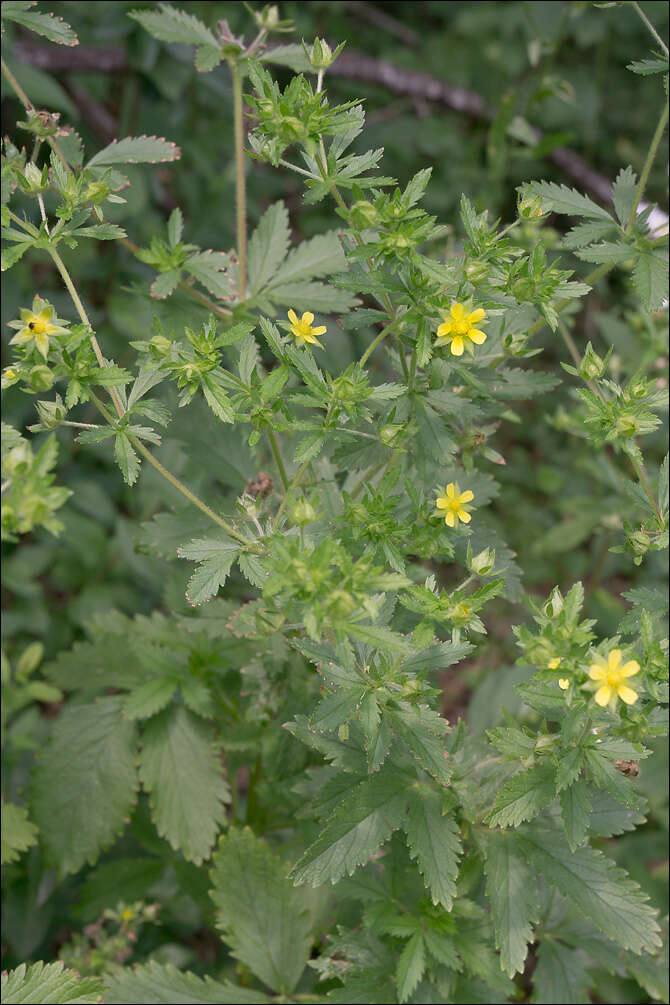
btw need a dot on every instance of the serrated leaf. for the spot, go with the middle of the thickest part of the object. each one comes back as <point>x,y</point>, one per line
<point>149,698</point>
<point>587,232</point>
<point>216,556</point>
<point>424,731</point>
<point>136,150</point>
<point>268,246</point>
<point>650,277</point>
<point>85,782</point>
<point>18,832</point>
<point>512,890</point>
<point>623,194</point>
<point>248,358</point>
<point>126,458</point>
<point>304,296</point>
<point>181,771</point>
<point>595,885</point>
<point>576,812</point>
<point>434,840</point>
<point>379,637</point>
<point>50,982</point>
<point>320,256</point>
<point>156,983</point>
<point>354,831</point>
<point>561,199</point>
<point>559,974</point>
<point>523,796</point>
<point>165,284</point>
<point>48,25</point>
<point>169,24</point>
<point>646,66</point>
<point>207,57</point>
<point>411,966</point>
<point>175,227</point>
<point>211,268</point>
<point>260,913</point>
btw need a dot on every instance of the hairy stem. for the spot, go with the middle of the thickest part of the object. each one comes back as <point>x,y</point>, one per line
<point>276,452</point>
<point>651,156</point>
<point>240,184</point>
<point>645,20</point>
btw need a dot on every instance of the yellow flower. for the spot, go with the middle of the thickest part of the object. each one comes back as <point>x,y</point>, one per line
<point>552,664</point>
<point>452,505</point>
<point>613,676</point>
<point>38,324</point>
<point>459,329</point>
<point>302,329</point>
<point>563,683</point>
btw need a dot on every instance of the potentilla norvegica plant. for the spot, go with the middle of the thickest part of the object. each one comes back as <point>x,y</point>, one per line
<point>291,750</point>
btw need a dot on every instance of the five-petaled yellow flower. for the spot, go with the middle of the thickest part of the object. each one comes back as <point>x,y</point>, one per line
<point>553,664</point>
<point>563,683</point>
<point>303,330</point>
<point>613,676</point>
<point>459,329</point>
<point>38,323</point>
<point>452,505</point>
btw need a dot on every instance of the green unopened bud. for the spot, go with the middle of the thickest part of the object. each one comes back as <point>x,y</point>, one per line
<point>160,345</point>
<point>18,461</point>
<point>321,56</point>
<point>516,342</point>
<point>268,18</point>
<point>390,433</point>
<point>476,271</point>
<point>97,192</point>
<point>638,543</point>
<point>41,378</point>
<point>626,425</point>
<point>363,214</point>
<point>592,366</point>
<point>291,128</point>
<point>302,512</point>
<point>523,290</point>
<point>529,207</point>
<point>410,688</point>
<point>51,413</point>
<point>545,742</point>
<point>483,563</point>
<point>33,176</point>
<point>554,605</point>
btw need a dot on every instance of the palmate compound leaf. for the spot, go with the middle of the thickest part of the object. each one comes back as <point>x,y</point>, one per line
<point>596,886</point>
<point>434,840</point>
<point>50,982</point>
<point>18,833</point>
<point>355,830</point>
<point>162,984</point>
<point>181,771</point>
<point>85,782</point>
<point>512,890</point>
<point>262,916</point>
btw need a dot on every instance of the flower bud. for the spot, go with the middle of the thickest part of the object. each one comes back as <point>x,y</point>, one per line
<point>160,345</point>
<point>476,271</point>
<point>302,512</point>
<point>41,378</point>
<point>321,56</point>
<point>554,605</point>
<point>268,18</point>
<point>626,425</point>
<point>529,207</point>
<point>482,564</point>
<point>592,366</point>
<point>390,433</point>
<point>363,214</point>
<point>51,413</point>
<point>33,176</point>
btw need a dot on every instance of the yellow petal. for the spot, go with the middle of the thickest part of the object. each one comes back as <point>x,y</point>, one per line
<point>603,695</point>
<point>464,516</point>
<point>553,664</point>
<point>614,659</point>
<point>293,317</point>
<point>477,315</point>
<point>457,346</point>
<point>25,314</point>
<point>442,503</point>
<point>444,329</point>
<point>467,496</point>
<point>597,671</point>
<point>42,343</point>
<point>477,336</point>
<point>307,318</point>
<point>457,311</point>
<point>563,683</point>
<point>321,330</point>
<point>450,519</point>
<point>630,669</point>
<point>627,694</point>
<point>451,490</point>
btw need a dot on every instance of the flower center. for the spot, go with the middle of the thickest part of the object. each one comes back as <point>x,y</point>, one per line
<point>37,326</point>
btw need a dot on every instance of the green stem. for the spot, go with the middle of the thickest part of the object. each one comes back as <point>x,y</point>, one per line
<point>65,276</point>
<point>373,345</point>
<point>651,155</point>
<point>172,479</point>
<point>240,186</point>
<point>274,445</point>
<point>643,17</point>
<point>28,105</point>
